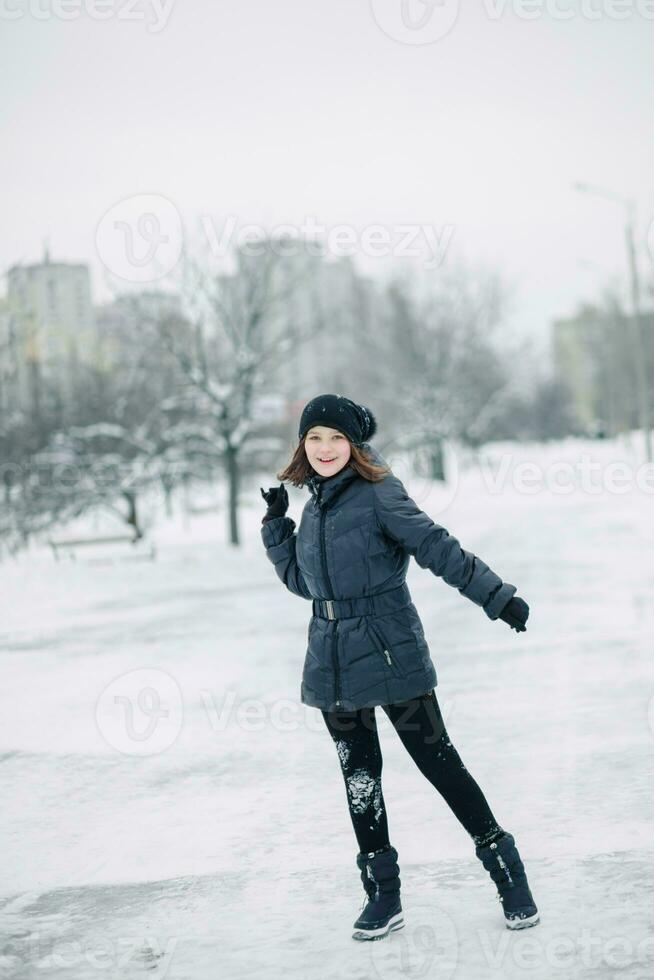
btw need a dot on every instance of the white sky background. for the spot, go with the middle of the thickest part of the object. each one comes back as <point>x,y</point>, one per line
<point>277,111</point>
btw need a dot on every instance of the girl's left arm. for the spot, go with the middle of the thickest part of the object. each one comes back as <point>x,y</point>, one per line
<point>433,547</point>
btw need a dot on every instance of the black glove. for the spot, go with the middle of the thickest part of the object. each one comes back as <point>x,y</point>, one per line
<point>515,613</point>
<point>277,500</point>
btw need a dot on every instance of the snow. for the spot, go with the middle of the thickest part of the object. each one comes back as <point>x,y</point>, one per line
<point>170,806</point>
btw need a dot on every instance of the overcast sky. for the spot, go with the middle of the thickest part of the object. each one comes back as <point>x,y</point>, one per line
<point>339,112</point>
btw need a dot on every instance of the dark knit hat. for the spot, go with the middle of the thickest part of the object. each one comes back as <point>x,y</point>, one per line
<point>338,412</point>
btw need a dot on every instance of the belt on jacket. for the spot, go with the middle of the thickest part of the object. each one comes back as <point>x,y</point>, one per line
<point>365,605</point>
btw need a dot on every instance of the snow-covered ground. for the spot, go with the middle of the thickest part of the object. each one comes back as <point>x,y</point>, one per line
<point>169,805</point>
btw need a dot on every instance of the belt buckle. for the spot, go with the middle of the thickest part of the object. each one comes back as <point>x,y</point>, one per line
<point>330,609</point>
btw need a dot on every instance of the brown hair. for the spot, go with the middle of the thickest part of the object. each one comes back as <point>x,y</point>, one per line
<point>300,469</point>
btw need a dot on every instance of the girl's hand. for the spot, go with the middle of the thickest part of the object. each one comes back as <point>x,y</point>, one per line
<point>516,613</point>
<point>277,500</point>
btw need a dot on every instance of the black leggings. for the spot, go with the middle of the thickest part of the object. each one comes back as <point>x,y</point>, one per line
<point>420,725</point>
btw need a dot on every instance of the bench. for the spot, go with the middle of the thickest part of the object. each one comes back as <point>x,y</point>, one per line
<point>70,544</point>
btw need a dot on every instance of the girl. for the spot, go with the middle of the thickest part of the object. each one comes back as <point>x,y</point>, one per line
<point>367,647</point>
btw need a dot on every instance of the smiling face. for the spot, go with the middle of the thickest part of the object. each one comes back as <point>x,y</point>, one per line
<point>323,444</point>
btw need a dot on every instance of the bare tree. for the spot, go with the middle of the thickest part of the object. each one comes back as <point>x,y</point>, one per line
<point>445,347</point>
<point>227,342</point>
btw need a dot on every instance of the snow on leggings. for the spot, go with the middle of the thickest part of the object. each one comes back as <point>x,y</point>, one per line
<point>421,728</point>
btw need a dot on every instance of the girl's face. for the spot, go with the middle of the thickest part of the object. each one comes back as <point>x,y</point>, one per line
<point>328,450</point>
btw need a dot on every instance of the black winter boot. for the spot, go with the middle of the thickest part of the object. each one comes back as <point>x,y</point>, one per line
<point>380,875</point>
<point>506,869</point>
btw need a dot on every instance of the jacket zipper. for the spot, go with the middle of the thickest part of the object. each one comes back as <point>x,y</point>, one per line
<point>323,555</point>
<point>385,651</point>
<point>323,549</point>
<point>337,676</point>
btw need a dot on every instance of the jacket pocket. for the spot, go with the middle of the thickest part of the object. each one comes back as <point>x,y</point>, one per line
<point>384,649</point>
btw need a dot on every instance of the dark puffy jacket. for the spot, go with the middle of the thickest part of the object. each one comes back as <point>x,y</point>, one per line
<point>350,554</point>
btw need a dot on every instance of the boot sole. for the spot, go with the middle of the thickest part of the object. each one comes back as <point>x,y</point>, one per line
<point>531,920</point>
<point>394,923</point>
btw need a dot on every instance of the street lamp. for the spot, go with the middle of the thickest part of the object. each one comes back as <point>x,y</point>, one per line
<point>637,347</point>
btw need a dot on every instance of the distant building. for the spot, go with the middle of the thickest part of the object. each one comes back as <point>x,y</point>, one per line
<point>51,313</point>
<point>573,340</point>
<point>9,360</point>
<point>331,314</point>
<point>593,353</point>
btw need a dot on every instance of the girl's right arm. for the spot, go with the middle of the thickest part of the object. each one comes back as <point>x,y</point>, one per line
<point>279,539</point>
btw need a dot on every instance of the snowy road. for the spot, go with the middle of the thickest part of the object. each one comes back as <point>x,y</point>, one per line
<point>170,807</point>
